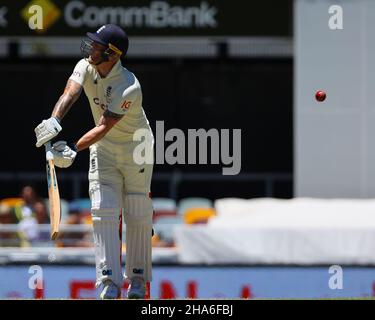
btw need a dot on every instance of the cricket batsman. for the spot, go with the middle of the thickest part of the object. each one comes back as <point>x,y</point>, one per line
<point>116,180</point>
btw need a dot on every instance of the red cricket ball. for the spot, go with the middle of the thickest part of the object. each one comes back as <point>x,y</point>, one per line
<point>320,95</point>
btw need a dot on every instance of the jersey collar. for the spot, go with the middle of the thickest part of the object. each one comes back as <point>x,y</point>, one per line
<point>116,69</point>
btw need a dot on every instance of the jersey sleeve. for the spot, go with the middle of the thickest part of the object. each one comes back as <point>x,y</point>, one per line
<point>79,72</point>
<point>124,100</point>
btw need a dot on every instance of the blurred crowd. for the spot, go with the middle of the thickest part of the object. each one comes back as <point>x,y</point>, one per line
<point>28,213</point>
<point>24,220</point>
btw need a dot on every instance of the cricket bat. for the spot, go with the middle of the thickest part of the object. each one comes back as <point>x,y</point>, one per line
<point>53,193</point>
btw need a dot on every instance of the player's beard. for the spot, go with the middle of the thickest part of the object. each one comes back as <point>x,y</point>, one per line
<point>90,60</point>
<point>95,62</point>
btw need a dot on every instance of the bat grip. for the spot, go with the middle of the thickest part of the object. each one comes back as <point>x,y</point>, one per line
<point>49,154</point>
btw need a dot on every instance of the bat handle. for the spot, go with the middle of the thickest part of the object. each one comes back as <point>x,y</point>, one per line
<point>49,154</point>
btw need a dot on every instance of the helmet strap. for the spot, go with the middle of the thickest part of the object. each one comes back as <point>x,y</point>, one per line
<point>105,56</point>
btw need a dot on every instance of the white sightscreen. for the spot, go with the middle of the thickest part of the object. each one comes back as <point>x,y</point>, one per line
<point>334,140</point>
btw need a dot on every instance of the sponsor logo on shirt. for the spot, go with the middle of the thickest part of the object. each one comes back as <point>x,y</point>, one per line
<point>108,93</point>
<point>101,105</point>
<point>126,105</point>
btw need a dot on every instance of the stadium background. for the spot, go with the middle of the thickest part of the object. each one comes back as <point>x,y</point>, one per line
<point>202,86</point>
<point>239,72</point>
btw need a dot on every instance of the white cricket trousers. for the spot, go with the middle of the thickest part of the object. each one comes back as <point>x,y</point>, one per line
<point>118,185</point>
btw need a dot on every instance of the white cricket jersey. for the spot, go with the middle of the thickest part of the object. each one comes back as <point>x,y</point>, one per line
<point>119,92</point>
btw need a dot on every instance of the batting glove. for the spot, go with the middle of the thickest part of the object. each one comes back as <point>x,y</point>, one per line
<point>63,154</point>
<point>47,130</point>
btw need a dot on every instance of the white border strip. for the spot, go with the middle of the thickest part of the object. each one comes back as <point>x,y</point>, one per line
<point>238,47</point>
